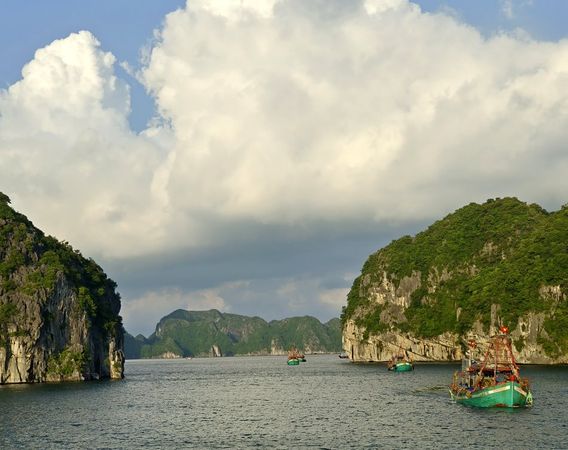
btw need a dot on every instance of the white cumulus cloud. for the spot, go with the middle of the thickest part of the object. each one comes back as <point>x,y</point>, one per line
<point>317,112</point>
<point>68,155</point>
<point>333,110</point>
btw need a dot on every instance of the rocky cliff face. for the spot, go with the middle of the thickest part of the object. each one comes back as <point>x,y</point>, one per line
<point>362,347</point>
<point>59,313</point>
<point>484,266</point>
<point>449,346</point>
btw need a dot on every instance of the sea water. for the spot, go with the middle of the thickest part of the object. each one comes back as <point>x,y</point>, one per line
<point>261,402</point>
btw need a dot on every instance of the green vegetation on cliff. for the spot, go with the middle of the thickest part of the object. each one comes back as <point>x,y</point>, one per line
<point>193,333</point>
<point>48,292</point>
<point>503,252</point>
<point>31,264</point>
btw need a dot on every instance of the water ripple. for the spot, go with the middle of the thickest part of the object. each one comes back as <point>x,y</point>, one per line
<point>260,402</point>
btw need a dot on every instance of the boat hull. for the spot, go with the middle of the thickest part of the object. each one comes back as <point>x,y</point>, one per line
<point>402,367</point>
<point>293,362</point>
<point>506,395</point>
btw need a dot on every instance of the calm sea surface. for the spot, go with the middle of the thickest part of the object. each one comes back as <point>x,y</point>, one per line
<point>261,402</point>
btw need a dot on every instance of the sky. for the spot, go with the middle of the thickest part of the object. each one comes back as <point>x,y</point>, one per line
<point>248,155</point>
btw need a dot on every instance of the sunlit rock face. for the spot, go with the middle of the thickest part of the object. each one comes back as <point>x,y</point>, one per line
<point>59,313</point>
<point>501,263</point>
<point>526,336</point>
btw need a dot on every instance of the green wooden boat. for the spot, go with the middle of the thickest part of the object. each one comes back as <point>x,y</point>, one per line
<point>294,356</point>
<point>493,382</point>
<point>403,367</point>
<point>509,394</point>
<point>400,363</point>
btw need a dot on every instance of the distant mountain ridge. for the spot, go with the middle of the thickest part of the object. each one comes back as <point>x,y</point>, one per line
<point>212,333</point>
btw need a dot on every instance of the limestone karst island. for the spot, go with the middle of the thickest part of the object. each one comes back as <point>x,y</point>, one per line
<point>502,263</point>
<point>59,312</point>
<point>212,333</point>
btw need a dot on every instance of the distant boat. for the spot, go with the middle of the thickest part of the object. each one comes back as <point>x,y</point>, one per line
<point>343,355</point>
<point>495,381</point>
<point>400,362</point>
<point>294,356</point>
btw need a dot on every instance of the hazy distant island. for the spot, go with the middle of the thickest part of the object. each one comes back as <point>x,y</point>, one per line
<point>59,312</point>
<point>212,333</point>
<point>504,262</point>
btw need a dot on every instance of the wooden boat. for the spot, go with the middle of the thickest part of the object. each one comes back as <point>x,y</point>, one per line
<point>495,381</point>
<point>400,362</point>
<point>294,357</point>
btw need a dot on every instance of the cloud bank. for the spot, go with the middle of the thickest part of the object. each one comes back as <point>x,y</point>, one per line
<point>68,157</point>
<point>283,115</point>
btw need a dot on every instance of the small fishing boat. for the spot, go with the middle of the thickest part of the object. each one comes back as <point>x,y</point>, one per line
<point>294,357</point>
<point>400,362</point>
<point>343,355</point>
<point>495,381</point>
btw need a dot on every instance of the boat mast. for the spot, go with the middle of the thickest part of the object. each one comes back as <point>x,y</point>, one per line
<point>495,350</point>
